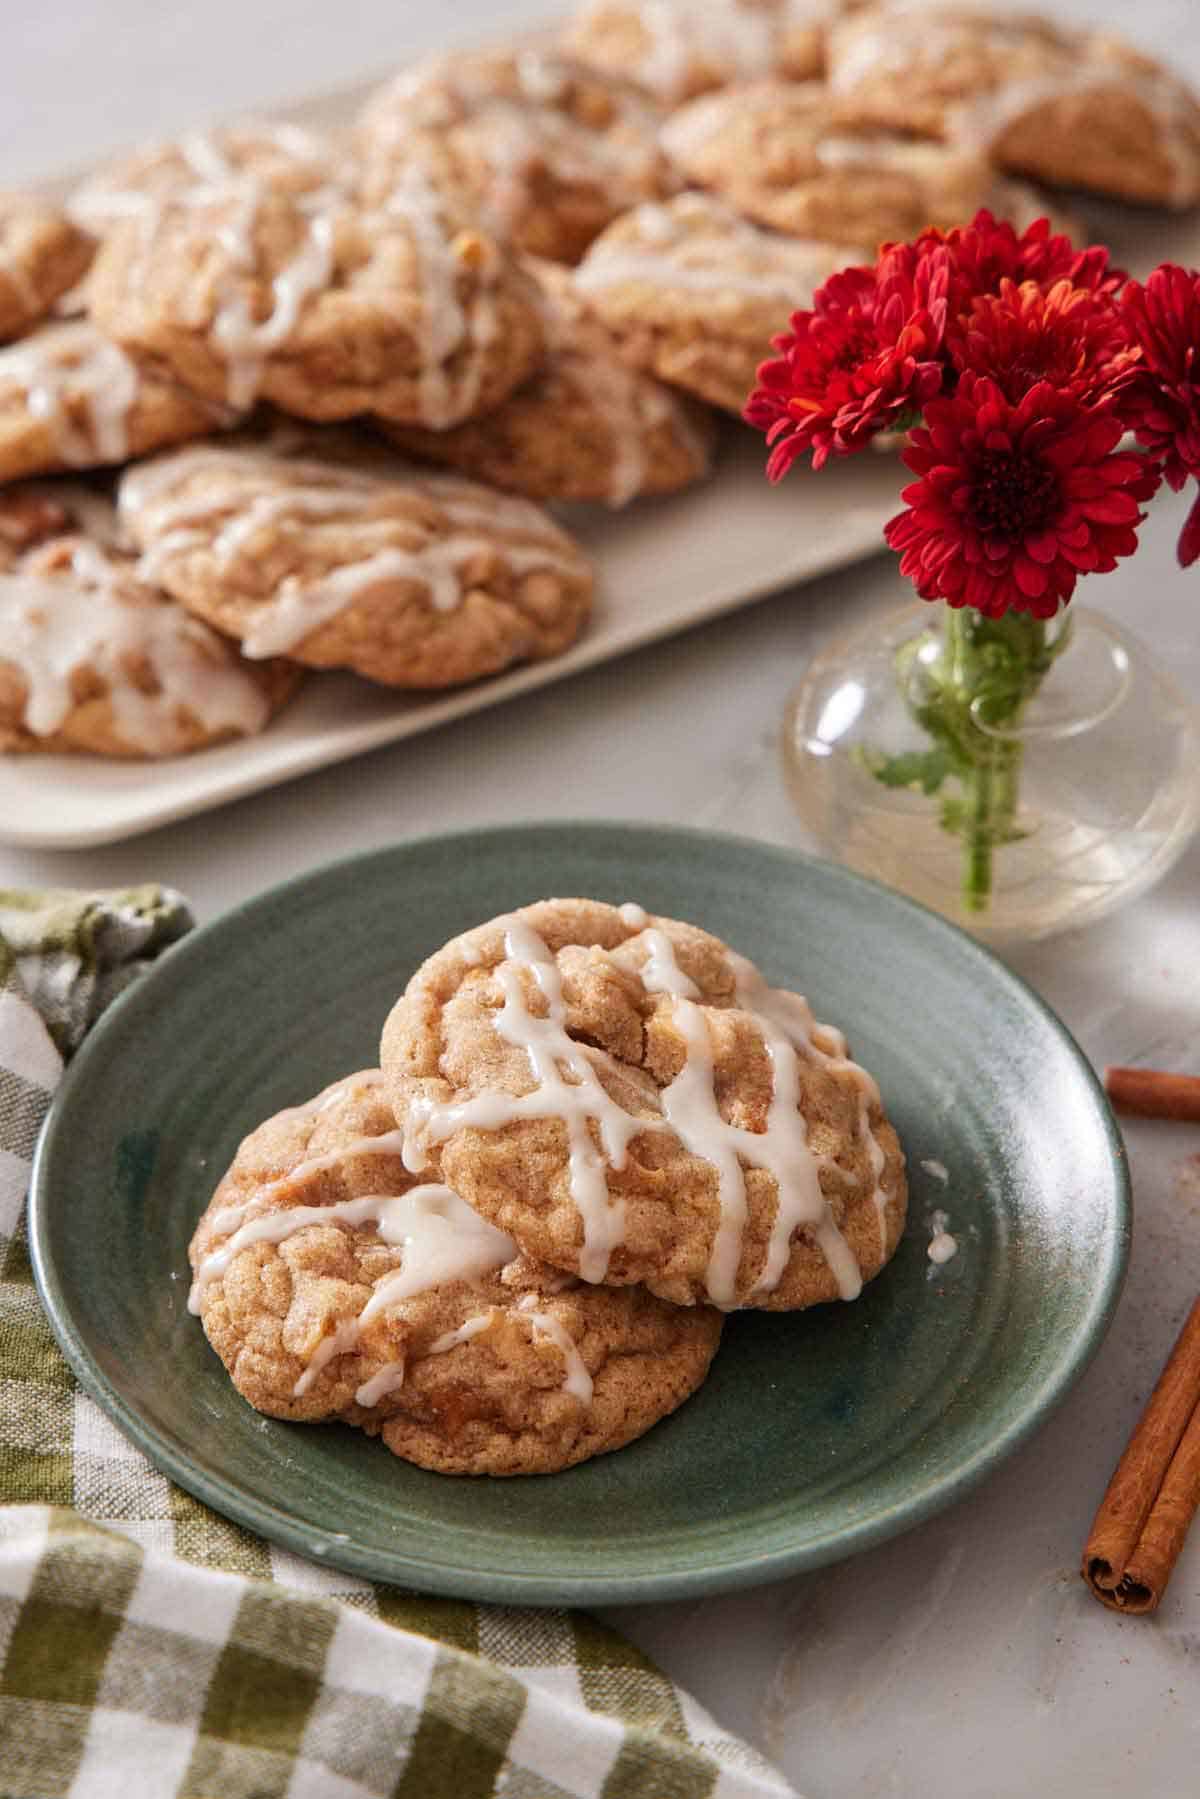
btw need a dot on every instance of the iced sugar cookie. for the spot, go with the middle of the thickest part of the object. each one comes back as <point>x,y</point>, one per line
<point>1076,109</point>
<point>332,1283</point>
<point>539,150</point>
<point>71,398</point>
<point>413,578</point>
<point>694,293</point>
<point>94,659</point>
<point>675,49</point>
<point>587,426</point>
<point>631,1101</point>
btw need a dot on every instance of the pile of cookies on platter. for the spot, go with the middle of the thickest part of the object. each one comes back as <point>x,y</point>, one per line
<point>512,1245</point>
<point>343,377</point>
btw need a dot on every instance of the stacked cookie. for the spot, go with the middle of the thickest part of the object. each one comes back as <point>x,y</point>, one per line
<point>537,267</point>
<point>511,1247</point>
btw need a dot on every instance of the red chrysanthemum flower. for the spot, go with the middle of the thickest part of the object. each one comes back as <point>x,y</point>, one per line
<point>1073,337</point>
<point>1164,406</point>
<point>1016,501</point>
<point>990,251</point>
<point>868,352</point>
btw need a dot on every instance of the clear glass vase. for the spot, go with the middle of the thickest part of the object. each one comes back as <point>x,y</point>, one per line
<point>1014,813</point>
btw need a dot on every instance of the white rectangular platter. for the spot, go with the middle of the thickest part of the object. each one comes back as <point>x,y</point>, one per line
<point>662,566</point>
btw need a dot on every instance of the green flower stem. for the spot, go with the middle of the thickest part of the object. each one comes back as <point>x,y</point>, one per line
<point>968,691</point>
<point>991,792</point>
<point>990,777</point>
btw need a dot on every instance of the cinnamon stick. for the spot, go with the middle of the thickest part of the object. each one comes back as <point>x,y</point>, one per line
<point>1143,1519</point>
<point>1153,1093</point>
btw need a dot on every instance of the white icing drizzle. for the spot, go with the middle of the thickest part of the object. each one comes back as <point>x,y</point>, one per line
<point>228,1218</point>
<point>472,1327</point>
<point>942,1246</point>
<point>445,329</point>
<point>628,404</point>
<point>441,1237</point>
<point>660,971</point>
<point>388,1380</point>
<point>298,493</point>
<point>578,1381</point>
<point>139,186</point>
<point>246,342</point>
<point>1078,65</point>
<point>67,366</point>
<point>392,1375</point>
<point>634,915</point>
<point>741,40</point>
<point>688,130</point>
<point>726,255</point>
<point>235,194</point>
<point>443,1240</point>
<point>689,1108</point>
<point>93,616</point>
<point>792,1014</point>
<point>579,1103</point>
<point>519,136</point>
<point>690,1105</point>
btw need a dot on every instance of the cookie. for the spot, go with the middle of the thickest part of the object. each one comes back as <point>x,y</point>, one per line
<point>412,578</point>
<point>585,427</point>
<point>282,158</point>
<point>248,292</point>
<point>676,49</point>
<point>70,398</point>
<point>630,1101</point>
<point>1075,109</point>
<point>93,659</point>
<point>332,1284</point>
<point>42,255</point>
<point>775,151</point>
<point>694,293</point>
<point>540,151</point>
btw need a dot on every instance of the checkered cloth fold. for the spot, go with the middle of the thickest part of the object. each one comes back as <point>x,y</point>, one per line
<point>150,1648</point>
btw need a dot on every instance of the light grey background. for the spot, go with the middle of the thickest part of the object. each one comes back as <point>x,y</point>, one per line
<point>964,1661</point>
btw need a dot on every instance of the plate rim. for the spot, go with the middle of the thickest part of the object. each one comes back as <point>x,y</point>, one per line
<point>720,1573</point>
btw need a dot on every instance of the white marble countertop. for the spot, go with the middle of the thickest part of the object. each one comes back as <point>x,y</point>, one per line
<point>964,1660</point>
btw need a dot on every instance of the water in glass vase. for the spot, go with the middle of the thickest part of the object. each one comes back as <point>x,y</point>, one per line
<point>1020,778</point>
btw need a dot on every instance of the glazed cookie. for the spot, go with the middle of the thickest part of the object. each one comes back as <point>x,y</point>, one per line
<point>412,578</point>
<point>678,48</point>
<point>69,398</point>
<point>42,255</point>
<point>694,293</point>
<point>586,427</point>
<point>283,158</point>
<point>631,1101</point>
<point>327,310</point>
<point>1076,109</point>
<point>333,1285</point>
<point>775,151</point>
<point>539,150</point>
<point>92,659</point>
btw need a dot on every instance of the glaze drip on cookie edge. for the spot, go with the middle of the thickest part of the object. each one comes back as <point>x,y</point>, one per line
<point>689,1104</point>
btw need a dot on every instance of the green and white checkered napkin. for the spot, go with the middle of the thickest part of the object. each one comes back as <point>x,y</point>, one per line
<point>149,1649</point>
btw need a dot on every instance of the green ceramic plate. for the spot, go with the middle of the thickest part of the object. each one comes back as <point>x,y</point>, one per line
<point>816,1434</point>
